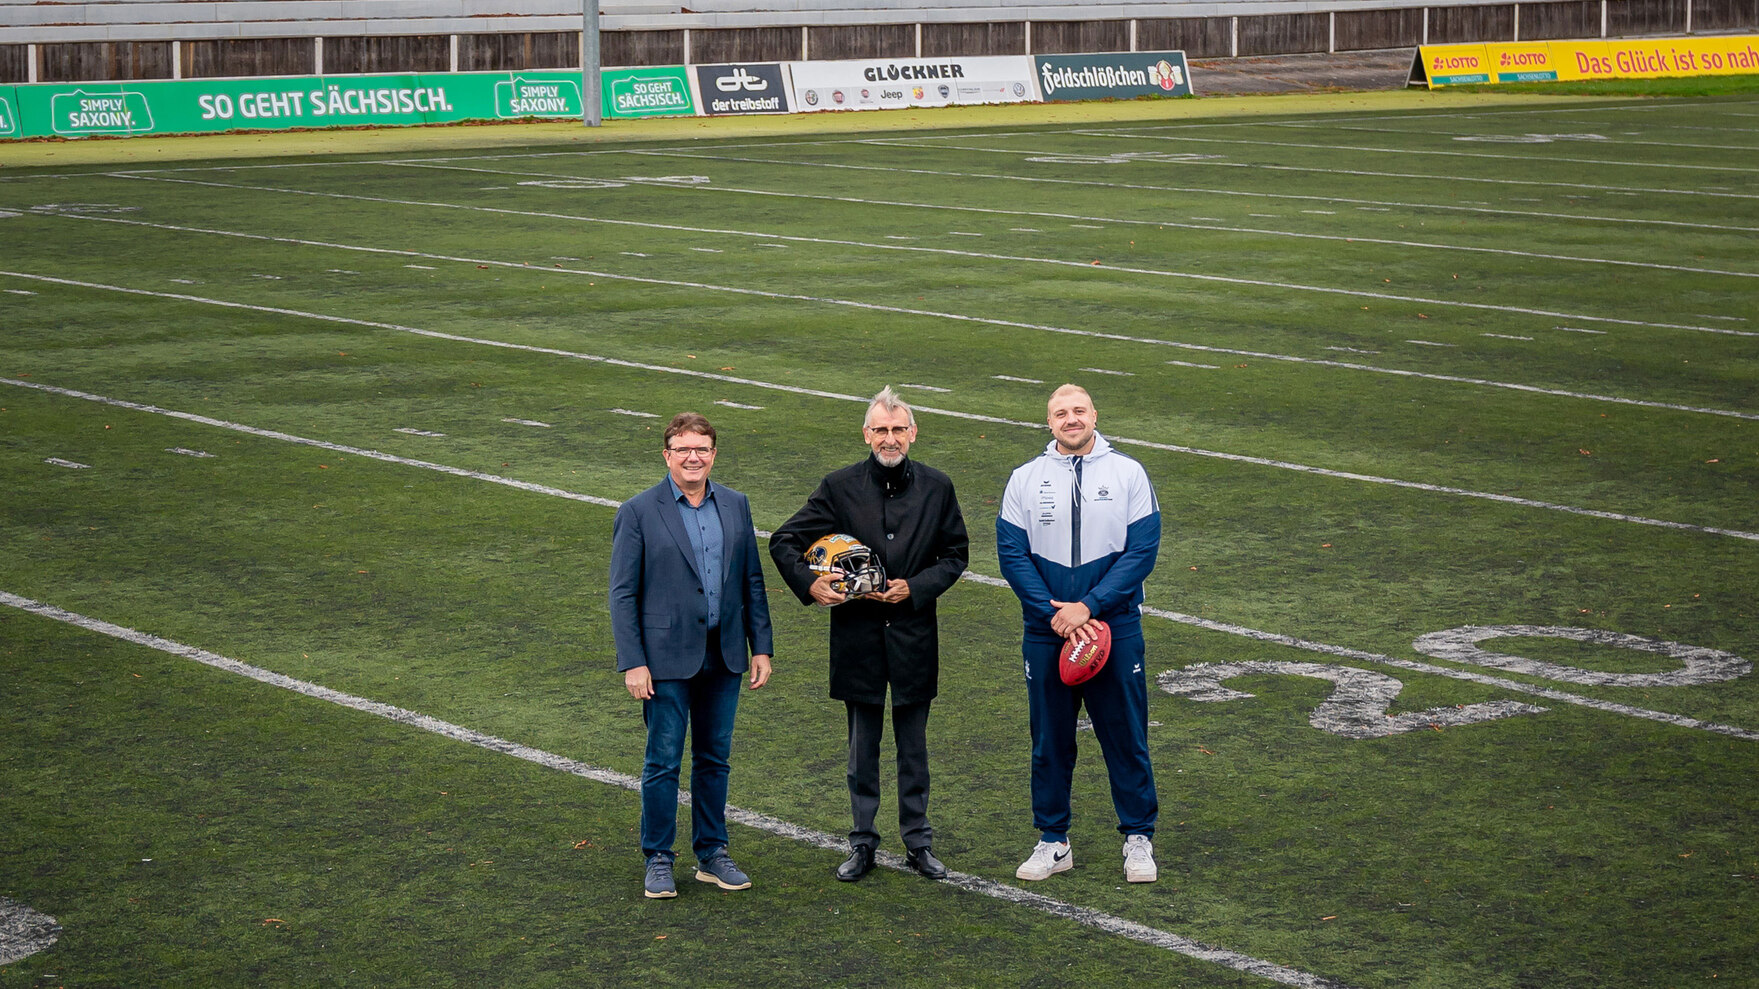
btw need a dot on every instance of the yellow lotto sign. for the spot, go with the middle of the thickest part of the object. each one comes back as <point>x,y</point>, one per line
<point>1563,61</point>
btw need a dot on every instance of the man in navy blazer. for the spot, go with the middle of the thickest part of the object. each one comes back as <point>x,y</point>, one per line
<point>689,616</point>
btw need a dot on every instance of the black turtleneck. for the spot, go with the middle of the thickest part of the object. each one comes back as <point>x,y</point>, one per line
<point>892,480</point>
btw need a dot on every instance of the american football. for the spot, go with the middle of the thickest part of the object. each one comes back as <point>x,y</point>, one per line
<point>1083,659</point>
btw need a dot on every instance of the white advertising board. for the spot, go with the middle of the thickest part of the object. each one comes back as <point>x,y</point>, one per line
<point>890,83</point>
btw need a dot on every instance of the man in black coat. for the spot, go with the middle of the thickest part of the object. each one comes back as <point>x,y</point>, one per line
<point>908,515</point>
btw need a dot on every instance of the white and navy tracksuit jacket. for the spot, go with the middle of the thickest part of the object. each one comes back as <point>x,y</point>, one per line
<point>1084,529</point>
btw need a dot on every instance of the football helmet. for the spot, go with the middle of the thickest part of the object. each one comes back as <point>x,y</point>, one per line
<point>860,567</point>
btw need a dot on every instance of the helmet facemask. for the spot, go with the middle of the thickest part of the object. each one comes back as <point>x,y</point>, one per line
<point>858,568</point>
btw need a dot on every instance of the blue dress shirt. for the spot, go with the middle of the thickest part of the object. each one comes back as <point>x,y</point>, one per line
<point>702,523</point>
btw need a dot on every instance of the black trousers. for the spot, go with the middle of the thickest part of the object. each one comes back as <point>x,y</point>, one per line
<point>910,729</point>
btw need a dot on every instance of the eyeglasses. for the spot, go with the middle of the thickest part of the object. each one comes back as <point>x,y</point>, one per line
<point>687,452</point>
<point>898,431</point>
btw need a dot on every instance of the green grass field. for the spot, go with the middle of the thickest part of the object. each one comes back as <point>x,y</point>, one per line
<point>1399,365</point>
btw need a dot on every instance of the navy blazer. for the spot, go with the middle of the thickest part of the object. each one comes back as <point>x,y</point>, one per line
<point>659,614</point>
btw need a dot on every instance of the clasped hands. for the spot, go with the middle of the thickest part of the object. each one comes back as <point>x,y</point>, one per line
<point>1072,618</point>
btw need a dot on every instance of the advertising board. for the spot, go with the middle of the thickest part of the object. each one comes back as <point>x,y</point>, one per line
<point>1566,61</point>
<point>742,88</point>
<point>207,106</point>
<point>879,84</point>
<point>1117,75</point>
<point>662,91</point>
<point>9,126</point>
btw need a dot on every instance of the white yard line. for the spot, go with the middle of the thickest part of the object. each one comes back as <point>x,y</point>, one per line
<point>1216,226</point>
<point>1430,152</point>
<point>1096,919</point>
<point>1471,676</point>
<point>1457,674</point>
<point>985,256</point>
<point>985,579</point>
<point>923,143</point>
<point>1203,191</point>
<point>272,434</point>
<point>1008,324</point>
<point>1599,141</point>
<point>968,416</point>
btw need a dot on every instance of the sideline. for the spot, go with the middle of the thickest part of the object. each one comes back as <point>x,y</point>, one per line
<point>574,135</point>
<point>1099,920</point>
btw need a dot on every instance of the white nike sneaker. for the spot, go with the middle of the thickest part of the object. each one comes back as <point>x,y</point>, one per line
<point>1048,858</point>
<point>1139,864</point>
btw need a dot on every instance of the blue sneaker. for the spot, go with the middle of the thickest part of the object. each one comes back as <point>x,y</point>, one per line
<point>718,868</point>
<point>659,885</point>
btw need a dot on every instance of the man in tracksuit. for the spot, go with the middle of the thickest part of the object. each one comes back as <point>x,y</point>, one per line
<point>1077,534</point>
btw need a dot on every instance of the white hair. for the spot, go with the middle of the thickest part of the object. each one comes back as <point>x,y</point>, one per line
<point>888,399</point>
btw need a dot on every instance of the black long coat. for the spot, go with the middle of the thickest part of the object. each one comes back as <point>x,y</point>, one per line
<point>915,527</point>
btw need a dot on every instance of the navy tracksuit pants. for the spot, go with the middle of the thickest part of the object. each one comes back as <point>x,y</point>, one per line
<point>1117,703</point>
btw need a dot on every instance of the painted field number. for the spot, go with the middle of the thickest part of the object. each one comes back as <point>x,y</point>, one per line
<point>1360,700</point>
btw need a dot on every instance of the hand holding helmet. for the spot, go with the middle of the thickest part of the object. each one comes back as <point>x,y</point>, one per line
<point>854,570</point>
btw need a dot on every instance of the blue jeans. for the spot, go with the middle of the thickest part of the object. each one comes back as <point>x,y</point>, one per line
<point>709,699</point>
<point>1117,702</point>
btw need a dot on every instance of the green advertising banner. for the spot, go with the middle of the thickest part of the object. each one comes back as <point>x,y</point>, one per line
<point>284,102</point>
<point>9,113</point>
<point>651,92</point>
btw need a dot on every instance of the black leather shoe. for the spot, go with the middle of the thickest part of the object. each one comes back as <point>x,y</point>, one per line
<point>858,864</point>
<point>923,861</point>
